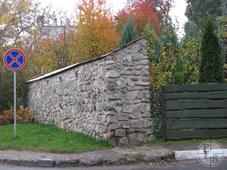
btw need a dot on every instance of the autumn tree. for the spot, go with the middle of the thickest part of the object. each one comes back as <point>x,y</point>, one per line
<point>42,62</point>
<point>162,6</point>
<point>95,33</point>
<point>51,53</point>
<point>21,28</point>
<point>17,20</point>
<point>144,11</point>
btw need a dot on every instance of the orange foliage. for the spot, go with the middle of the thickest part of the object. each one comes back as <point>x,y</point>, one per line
<point>142,12</point>
<point>23,116</point>
<point>96,33</point>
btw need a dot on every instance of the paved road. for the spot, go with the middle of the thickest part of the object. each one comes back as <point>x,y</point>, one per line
<point>185,165</point>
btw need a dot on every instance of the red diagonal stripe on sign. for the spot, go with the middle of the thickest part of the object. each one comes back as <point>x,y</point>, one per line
<point>14,59</point>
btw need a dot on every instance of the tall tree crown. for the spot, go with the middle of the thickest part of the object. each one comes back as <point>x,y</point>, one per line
<point>198,10</point>
<point>129,32</point>
<point>211,66</point>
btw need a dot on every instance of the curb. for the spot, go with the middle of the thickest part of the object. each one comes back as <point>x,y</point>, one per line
<point>87,160</point>
<point>193,154</point>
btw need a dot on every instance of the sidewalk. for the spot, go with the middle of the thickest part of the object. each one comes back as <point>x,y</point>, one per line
<point>115,156</point>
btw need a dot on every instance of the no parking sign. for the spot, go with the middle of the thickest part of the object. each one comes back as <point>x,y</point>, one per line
<point>14,60</point>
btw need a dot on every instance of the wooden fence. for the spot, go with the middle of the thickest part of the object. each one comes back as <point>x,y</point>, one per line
<point>194,111</point>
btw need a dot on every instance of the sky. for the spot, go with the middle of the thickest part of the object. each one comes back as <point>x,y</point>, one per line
<point>69,6</point>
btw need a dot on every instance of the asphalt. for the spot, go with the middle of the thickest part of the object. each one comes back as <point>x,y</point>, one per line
<point>181,165</point>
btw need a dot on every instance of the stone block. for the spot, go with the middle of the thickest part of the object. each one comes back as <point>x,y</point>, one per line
<point>125,124</point>
<point>137,123</point>
<point>131,95</point>
<point>136,138</point>
<point>122,117</point>
<point>128,109</point>
<point>108,62</point>
<point>111,119</point>
<point>144,62</point>
<point>130,131</point>
<point>129,58</point>
<point>137,108</point>
<point>114,95</point>
<point>112,108</point>
<point>134,78</point>
<point>142,83</point>
<point>120,132</point>
<point>121,83</point>
<point>130,83</point>
<point>145,109</point>
<point>136,57</point>
<point>135,115</point>
<point>112,74</point>
<point>123,141</point>
<point>114,126</point>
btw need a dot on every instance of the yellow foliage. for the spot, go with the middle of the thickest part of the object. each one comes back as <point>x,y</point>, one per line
<point>96,33</point>
<point>42,57</point>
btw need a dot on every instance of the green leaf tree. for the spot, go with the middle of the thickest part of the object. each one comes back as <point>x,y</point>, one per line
<point>183,72</point>
<point>129,32</point>
<point>222,34</point>
<point>191,30</point>
<point>162,51</point>
<point>198,10</point>
<point>6,89</point>
<point>211,67</point>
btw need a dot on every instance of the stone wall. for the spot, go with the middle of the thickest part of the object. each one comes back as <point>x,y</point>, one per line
<point>106,98</point>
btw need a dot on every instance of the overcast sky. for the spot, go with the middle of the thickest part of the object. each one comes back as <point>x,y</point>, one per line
<point>69,6</point>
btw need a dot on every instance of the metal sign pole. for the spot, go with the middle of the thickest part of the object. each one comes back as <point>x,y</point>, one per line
<point>15,102</point>
<point>14,60</point>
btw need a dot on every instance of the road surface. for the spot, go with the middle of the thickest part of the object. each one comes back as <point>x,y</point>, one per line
<point>183,165</point>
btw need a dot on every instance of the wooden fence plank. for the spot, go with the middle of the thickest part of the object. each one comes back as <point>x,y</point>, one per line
<point>197,95</point>
<point>195,104</point>
<point>195,111</point>
<point>196,88</point>
<point>203,113</point>
<point>196,123</point>
<point>197,134</point>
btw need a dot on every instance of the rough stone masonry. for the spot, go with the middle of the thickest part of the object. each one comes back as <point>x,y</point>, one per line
<point>107,98</point>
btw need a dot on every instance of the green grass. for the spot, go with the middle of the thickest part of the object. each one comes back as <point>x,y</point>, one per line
<point>40,137</point>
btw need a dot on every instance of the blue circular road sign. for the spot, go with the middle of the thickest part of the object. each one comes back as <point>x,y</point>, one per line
<point>14,59</point>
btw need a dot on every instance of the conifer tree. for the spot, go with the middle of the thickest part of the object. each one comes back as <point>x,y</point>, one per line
<point>211,66</point>
<point>129,32</point>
